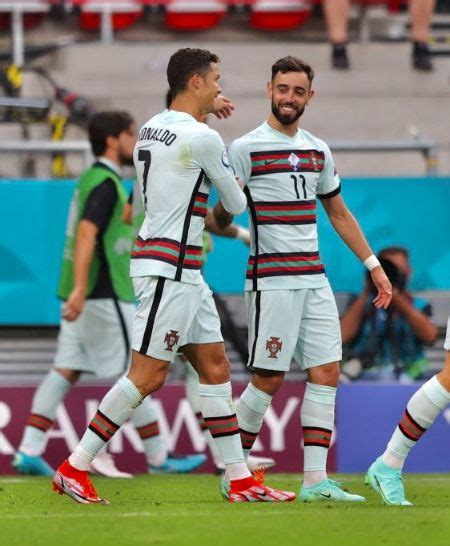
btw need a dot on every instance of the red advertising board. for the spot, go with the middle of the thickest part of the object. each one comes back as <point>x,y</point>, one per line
<point>280,437</point>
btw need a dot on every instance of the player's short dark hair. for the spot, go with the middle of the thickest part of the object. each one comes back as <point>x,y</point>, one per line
<point>105,124</point>
<point>186,62</point>
<point>292,64</point>
<point>169,98</point>
<point>393,250</point>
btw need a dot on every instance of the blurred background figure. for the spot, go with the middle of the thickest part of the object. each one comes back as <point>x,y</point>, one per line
<point>337,16</point>
<point>388,344</point>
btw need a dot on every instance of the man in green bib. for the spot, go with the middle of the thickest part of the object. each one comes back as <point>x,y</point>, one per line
<point>98,297</point>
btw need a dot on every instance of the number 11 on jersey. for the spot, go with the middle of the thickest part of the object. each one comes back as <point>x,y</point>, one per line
<point>295,179</point>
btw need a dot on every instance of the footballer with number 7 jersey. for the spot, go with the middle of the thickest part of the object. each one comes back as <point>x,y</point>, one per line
<point>291,308</point>
<point>175,158</point>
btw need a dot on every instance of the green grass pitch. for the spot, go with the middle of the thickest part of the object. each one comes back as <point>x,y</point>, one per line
<point>188,510</point>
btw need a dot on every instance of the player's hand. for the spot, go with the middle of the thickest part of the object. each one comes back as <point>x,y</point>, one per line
<point>384,287</point>
<point>74,304</point>
<point>223,107</point>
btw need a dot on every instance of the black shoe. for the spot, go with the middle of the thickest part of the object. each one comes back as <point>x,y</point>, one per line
<point>339,58</point>
<point>421,57</point>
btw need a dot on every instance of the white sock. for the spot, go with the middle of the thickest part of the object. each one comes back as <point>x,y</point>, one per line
<point>250,411</point>
<point>146,420</point>
<point>317,418</point>
<point>46,400</point>
<point>219,414</point>
<point>114,410</point>
<point>421,411</point>
<point>191,388</point>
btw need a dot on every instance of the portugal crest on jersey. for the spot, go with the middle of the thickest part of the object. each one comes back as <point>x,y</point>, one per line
<point>274,345</point>
<point>315,161</point>
<point>171,339</point>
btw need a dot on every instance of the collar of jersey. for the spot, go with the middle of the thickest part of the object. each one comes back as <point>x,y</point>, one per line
<point>179,115</point>
<point>273,131</point>
<point>110,164</point>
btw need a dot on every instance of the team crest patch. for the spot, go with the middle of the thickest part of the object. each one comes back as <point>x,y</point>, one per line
<point>171,340</point>
<point>274,345</point>
<point>294,161</point>
<point>315,161</point>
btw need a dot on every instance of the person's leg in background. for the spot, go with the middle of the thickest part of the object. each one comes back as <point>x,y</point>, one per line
<point>336,17</point>
<point>420,14</point>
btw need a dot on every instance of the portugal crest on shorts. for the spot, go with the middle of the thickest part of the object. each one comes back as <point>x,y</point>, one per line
<point>273,345</point>
<point>171,339</point>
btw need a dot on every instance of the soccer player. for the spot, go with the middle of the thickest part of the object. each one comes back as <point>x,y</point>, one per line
<point>385,474</point>
<point>291,308</point>
<point>98,311</point>
<point>173,155</point>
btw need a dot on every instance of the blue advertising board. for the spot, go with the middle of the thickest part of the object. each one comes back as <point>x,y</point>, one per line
<point>367,415</point>
<point>391,211</point>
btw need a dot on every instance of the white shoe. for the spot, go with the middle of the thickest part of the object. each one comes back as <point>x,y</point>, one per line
<point>256,463</point>
<point>104,465</point>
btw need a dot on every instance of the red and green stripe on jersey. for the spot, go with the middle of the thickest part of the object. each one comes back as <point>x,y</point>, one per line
<point>169,251</point>
<point>282,161</point>
<point>284,263</point>
<point>286,212</point>
<point>200,204</point>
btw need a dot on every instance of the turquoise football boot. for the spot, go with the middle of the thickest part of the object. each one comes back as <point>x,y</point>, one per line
<point>327,490</point>
<point>388,483</point>
<point>179,464</point>
<point>225,486</point>
<point>35,466</point>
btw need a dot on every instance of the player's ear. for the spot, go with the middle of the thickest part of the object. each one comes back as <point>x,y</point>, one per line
<point>269,89</point>
<point>310,95</point>
<point>112,142</point>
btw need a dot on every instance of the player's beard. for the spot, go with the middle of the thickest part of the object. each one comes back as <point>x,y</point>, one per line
<point>288,119</point>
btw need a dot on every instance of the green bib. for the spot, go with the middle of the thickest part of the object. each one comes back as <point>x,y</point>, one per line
<point>117,239</point>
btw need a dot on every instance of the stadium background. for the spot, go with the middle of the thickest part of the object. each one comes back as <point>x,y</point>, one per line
<point>380,101</point>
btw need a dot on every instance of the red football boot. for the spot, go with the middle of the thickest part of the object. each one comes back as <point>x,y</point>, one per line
<point>76,484</point>
<point>254,490</point>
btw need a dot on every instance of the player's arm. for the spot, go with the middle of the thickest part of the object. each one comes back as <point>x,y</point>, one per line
<point>84,252</point>
<point>420,323</point>
<point>214,224</point>
<point>348,229</point>
<point>96,215</point>
<point>212,157</point>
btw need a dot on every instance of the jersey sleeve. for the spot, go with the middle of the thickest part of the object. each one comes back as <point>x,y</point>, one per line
<point>240,161</point>
<point>329,183</point>
<point>210,153</point>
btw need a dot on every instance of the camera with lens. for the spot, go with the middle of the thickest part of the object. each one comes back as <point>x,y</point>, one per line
<point>398,278</point>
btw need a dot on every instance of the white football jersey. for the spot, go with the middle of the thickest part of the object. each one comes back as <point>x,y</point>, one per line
<point>176,160</point>
<point>283,176</point>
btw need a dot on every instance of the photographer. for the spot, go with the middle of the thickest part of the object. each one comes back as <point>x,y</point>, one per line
<point>388,344</point>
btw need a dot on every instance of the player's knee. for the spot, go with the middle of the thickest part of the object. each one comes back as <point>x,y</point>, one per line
<point>216,372</point>
<point>327,374</point>
<point>148,385</point>
<point>267,381</point>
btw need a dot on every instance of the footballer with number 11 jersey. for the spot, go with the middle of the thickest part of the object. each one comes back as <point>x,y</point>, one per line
<point>291,309</point>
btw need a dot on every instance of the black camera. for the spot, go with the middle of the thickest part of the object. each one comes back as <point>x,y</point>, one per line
<point>398,278</point>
